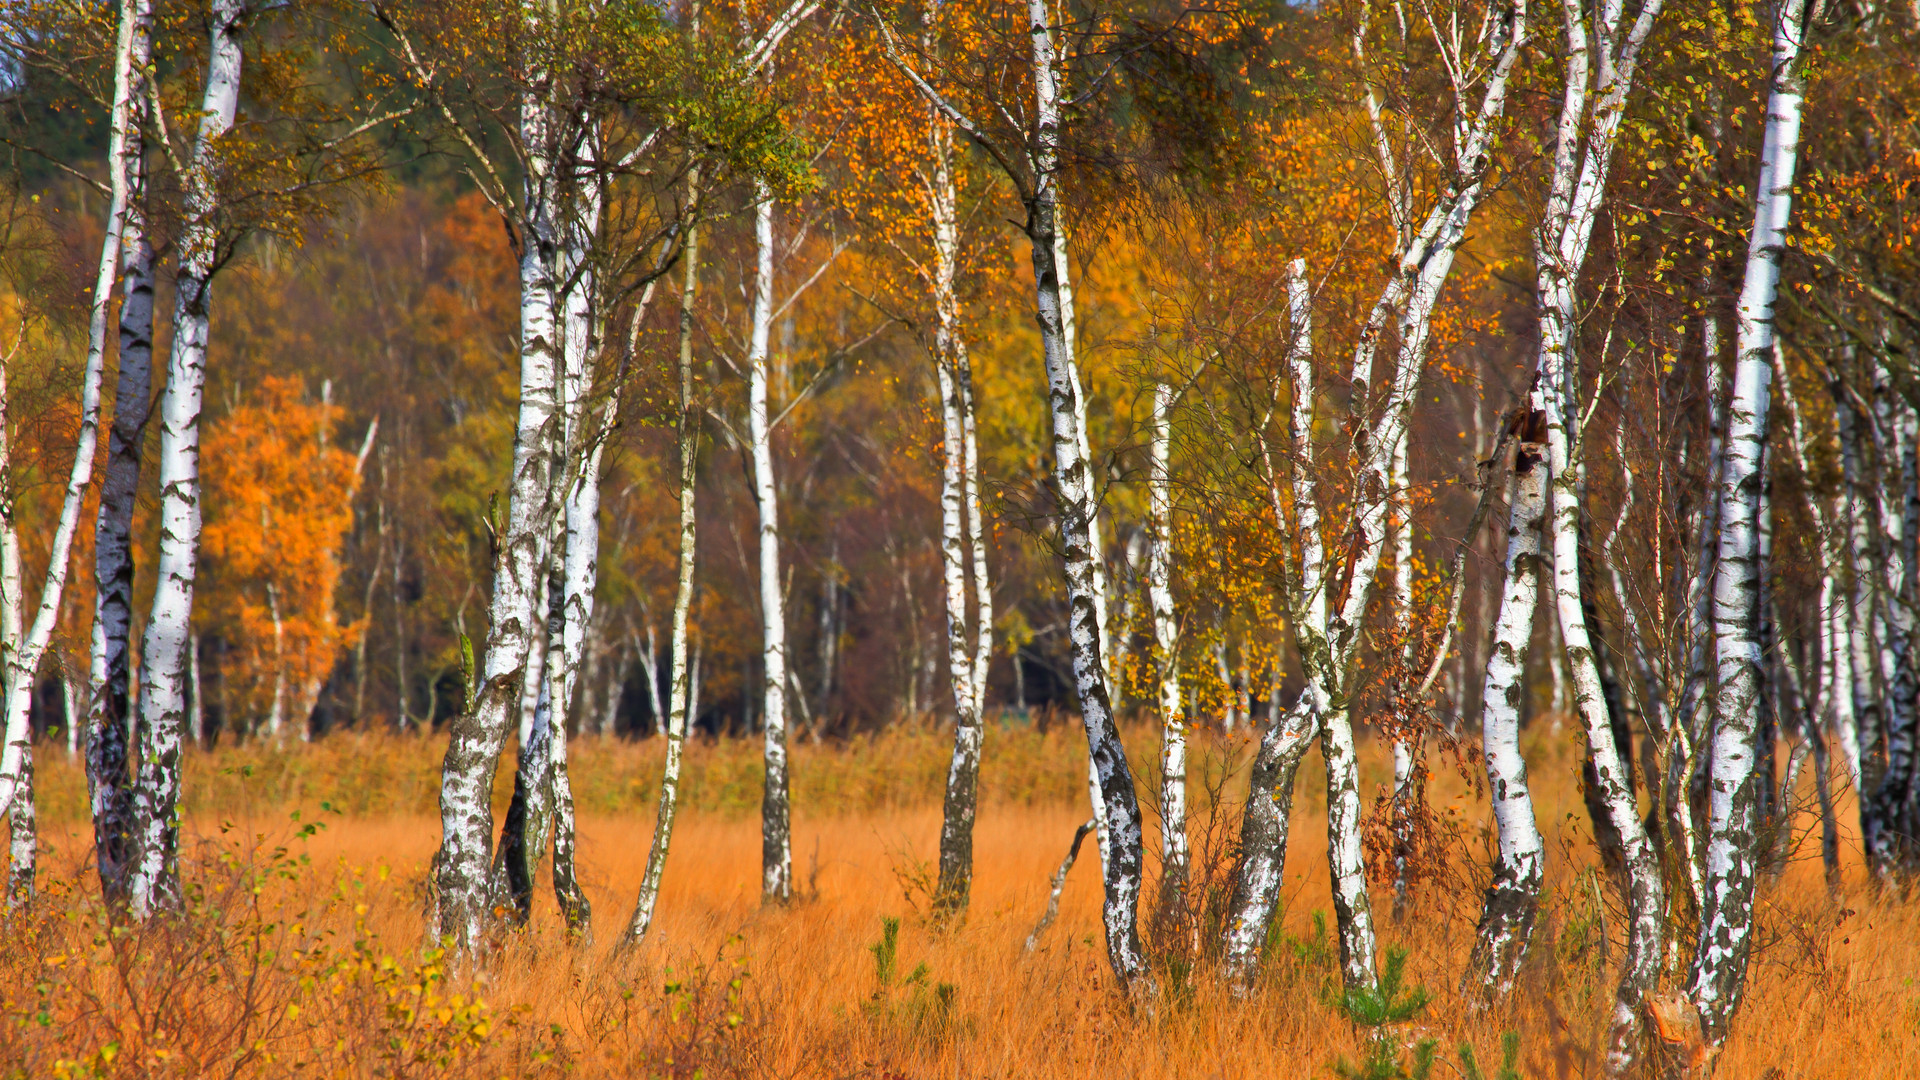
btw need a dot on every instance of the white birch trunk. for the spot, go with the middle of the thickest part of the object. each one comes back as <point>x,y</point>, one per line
<point>28,646</point>
<point>1174,854</point>
<point>1330,647</point>
<point>1889,839</point>
<point>776,840</point>
<point>519,569</point>
<point>679,714</point>
<point>154,882</point>
<point>1406,740</point>
<point>108,707</point>
<point>1512,900</point>
<point>1264,825</point>
<point>1122,842</point>
<point>963,774</point>
<point>1720,958</point>
<point>23,846</point>
<point>1582,159</point>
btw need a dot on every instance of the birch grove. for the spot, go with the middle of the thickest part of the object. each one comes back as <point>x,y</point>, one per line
<point>1444,446</point>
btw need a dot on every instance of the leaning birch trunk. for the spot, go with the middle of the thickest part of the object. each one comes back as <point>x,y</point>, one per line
<point>678,716</point>
<point>1726,924</point>
<point>1123,840</point>
<point>108,712</point>
<point>976,540</point>
<point>154,883</point>
<point>1330,647</point>
<point>1582,157</point>
<point>1513,898</point>
<point>776,839</point>
<point>462,875</point>
<point>963,774</point>
<point>1174,855</point>
<point>28,646</point>
<point>1257,874</point>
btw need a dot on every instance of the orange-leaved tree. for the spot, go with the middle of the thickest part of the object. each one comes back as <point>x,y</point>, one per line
<point>279,504</point>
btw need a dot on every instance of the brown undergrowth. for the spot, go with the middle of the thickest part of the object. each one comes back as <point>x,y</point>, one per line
<point>302,952</point>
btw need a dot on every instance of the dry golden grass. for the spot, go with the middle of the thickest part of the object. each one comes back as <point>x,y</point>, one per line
<point>304,954</point>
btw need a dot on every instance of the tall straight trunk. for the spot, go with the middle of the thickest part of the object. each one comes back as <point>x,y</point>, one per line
<point>963,774</point>
<point>155,882</point>
<point>579,561</point>
<point>776,826</point>
<point>1174,855</point>
<point>1582,157</point>
<point>1890,846</point>
<point>1726,924</point>
<point>1406,737</point>
<point>679,712</point>
<point>519,570</point>
<point>1122,842</point>
<point>108,707</point>
<point>1860,544</point>
<point>23,846</point>
<point>1513,898</point>
<point>1264,825</point>
<point>976,540</point>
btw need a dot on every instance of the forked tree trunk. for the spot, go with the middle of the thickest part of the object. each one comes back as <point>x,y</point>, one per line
<point>108,704</point>
<point>155,882</point>
<point>679,712</point>
<point>776,825</point>
<point>1726,923</point>
<point>1513,897</point>
<point>519,571</point>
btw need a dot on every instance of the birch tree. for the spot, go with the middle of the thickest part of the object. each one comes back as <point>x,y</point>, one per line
<point>1602,57</point>
<point>1513,897</point>
<point>969,627</point>
<point>1035,174</point>
<point>678,716</point>
<point>154,882</point>
<point>1328,605</point>
<point>1726,924</point>
<point>108,704</point>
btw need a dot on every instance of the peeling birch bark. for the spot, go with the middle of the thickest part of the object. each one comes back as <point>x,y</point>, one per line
<point>1512,900</point>
<point>1258,873</point>
<point>1123,838</point>
<point>108,705</point>
<point>1582,157</point>
<point>476,737</point>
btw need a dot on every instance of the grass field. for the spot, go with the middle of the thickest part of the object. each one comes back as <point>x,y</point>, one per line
<point>303,953</point>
